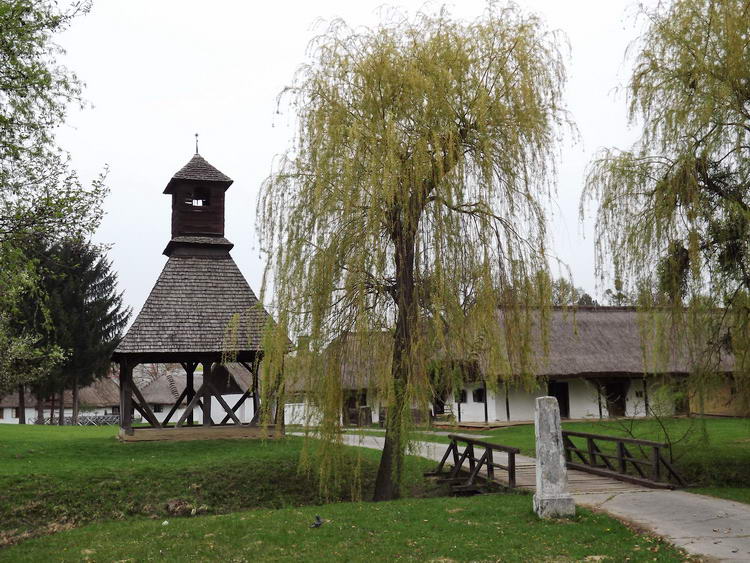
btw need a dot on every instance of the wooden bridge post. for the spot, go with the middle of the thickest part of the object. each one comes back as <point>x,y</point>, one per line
<point>656,461</point>
<point>621,457</point>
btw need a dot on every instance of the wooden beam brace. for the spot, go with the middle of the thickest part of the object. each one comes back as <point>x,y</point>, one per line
<point>223,403</point>
<point>237,405</point>
<point>174,407</point>
<point>457,467</point>
<point>191,405</point>
<point>150,416</point>
<point>477,468</point>
<point>144,413</point>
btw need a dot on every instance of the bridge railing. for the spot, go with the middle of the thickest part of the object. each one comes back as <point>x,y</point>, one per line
<point>615,459</point>
<point>475,462</point>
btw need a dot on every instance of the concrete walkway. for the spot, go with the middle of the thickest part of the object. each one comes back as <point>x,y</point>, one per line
<point>701,525</point>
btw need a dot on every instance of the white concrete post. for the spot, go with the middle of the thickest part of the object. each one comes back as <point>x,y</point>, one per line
<point>551,499</point>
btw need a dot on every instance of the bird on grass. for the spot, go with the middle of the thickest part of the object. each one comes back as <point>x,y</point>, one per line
<point>318,522</point>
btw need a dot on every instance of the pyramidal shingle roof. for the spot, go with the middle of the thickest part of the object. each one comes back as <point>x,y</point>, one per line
<point>191,306</point>
<point>199,170</point>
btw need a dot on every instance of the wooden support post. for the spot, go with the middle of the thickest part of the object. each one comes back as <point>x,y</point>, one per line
<point>592,452</point>
<point>126,400</point>
<point>490,466</point>
<point>253,370</point>
<point>206,394</point>
<point>507,402</point>
<point>646,406</point>
<point>623,465</point>
<point>190,388</point>
<point>511,470</point>
<point>486,417</point>
<point>656,464</point>
<point>567,444</point>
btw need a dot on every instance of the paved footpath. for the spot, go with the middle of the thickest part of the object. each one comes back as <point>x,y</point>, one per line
<point>701,525</point>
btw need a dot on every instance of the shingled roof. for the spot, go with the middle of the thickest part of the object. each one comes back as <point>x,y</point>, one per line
<point>190,308</point>
<point>198,170</point>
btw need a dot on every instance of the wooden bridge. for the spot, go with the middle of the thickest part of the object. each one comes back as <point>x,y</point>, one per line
<point>604,464</point>
<point>511,469</point>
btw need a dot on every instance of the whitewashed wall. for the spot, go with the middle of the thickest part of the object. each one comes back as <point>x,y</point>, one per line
<point>582,394</point>
<point>303,414</point>
<point>584,399</point>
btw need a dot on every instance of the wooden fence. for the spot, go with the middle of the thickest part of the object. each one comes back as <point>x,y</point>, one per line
<point>475,464</point>
<point>83,420</point>
<point>615,459</point>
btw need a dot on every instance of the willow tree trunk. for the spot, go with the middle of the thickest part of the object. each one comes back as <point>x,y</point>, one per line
<point>390,471</point>
<point>52,409</point>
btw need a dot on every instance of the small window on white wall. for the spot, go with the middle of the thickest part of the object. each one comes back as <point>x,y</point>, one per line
<point>462,396</point>
<point>478,395</point>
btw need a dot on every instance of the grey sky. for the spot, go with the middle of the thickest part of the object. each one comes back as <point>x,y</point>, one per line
<point>157,71</point>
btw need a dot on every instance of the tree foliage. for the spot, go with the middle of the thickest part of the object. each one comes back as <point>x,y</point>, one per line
<point>566,294</point>
<point>40,194</point>
<point>84,316</point>
<point>674,215</point>
<point>412,202</point>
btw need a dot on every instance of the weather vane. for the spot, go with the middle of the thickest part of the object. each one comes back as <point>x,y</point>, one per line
<point>196,143</point>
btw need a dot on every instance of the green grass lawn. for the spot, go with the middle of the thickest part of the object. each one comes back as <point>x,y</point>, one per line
<point>485,527</point>
<point>53,477</point>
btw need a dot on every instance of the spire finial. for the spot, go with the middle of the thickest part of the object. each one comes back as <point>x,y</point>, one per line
<point>196,143</point>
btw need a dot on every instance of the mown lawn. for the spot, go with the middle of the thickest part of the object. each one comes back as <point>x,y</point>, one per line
<point>485,528</point>
<point>52,478</point>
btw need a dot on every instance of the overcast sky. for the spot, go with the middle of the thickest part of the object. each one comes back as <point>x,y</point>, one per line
<point>158,71</point>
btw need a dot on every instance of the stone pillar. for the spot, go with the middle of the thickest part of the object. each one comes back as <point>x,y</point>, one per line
<point>551,499</point>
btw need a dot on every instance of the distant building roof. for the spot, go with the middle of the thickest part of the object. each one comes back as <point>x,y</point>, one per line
<point>104,392</point>
<point>228,379</point>
<point>585,342</point>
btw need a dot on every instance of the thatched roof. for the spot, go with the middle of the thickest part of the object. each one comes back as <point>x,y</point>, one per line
<point>607,341</point>
<point>190,308</point>
<point>104,392</point>
<point>166,389</point>
<point>587,342</point>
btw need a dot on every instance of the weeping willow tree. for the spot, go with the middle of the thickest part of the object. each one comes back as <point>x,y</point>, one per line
<point>412,205</point>
<point>674,211</point>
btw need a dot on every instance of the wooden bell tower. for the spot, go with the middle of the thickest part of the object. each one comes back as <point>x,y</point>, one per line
<point>197,192</point>
<point>198,295</point>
